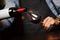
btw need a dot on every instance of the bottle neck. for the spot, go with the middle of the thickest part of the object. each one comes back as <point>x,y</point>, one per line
<point>12,11</point>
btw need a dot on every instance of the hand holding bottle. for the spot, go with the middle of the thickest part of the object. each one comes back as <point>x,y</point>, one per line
<point>48,21</point>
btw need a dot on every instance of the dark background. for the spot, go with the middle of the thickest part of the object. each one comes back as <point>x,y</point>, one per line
<point>26,30</point>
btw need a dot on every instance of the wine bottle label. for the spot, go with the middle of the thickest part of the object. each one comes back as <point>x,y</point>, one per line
<point>4,13</point>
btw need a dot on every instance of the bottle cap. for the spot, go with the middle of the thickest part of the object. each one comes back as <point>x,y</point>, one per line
<point>21,10</point>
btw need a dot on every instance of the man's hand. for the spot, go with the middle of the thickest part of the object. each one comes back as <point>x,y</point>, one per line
<point>47,22</point>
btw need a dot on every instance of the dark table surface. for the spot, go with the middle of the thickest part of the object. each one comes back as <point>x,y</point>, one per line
<point>39,36</point>
<point>32,36</point>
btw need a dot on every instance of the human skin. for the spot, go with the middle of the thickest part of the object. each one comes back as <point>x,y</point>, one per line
<point>48,21</point>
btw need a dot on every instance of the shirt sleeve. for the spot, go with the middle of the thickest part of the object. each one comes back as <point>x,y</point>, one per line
<point>7,22</point>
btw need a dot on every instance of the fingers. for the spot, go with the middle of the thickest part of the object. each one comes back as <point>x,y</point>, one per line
<point>45,20</point>
<point>48,22</point>
<point>57,22</point>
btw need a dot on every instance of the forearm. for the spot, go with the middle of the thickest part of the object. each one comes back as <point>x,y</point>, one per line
<point>6,23</point>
